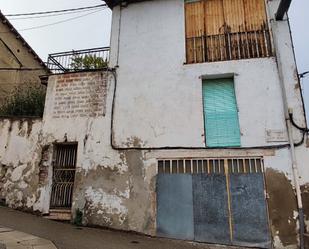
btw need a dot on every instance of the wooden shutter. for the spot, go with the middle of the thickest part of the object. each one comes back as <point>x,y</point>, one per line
<point>218,30</point>
<point>214,17</point>
<point>244,15</point>
<point>195,31</point>
<point>255,14</point>
<point>214,21</point>
<point>220,113</point>
<point>234,15</point>
<point>235,23</point>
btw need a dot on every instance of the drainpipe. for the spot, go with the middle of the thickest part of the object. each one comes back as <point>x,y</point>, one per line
<point>297,186</point>
<point>287,112</point>
<point>119,33</point>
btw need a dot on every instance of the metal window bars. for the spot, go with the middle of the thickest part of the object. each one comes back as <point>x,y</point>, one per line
<point>64,167</point>
<point>211,166</point>
<point>229,46</point>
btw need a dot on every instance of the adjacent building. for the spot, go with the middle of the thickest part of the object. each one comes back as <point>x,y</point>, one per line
<point>196,129</point>
<point>19,64</point>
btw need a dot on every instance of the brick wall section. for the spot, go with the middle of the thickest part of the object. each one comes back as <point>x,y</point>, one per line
<point>80,95</point>
<point>46,161</point>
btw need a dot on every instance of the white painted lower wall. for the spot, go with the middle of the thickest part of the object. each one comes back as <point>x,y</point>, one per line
<point>20,155</point>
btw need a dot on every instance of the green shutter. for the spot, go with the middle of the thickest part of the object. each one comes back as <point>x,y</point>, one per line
<point>220,113</point>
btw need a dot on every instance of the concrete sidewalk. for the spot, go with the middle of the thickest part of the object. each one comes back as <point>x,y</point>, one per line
<point>12,239</point>
<point>67,236</point>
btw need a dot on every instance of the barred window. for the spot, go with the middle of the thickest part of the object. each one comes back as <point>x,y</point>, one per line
<point>246,165</point>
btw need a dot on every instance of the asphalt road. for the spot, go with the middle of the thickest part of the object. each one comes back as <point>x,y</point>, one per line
<point>67,236</point>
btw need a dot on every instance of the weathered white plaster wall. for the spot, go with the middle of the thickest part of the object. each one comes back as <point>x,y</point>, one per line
<point>112,188</point>
<point>110,185</point>
<point>153,82</point>
<point>158,103</point>
<point>159,97</point>
<point>20,154</point>
<point>92,135</point>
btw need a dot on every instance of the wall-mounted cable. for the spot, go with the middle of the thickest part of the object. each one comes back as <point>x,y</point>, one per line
<point>116,147</point>
<point>304,74</point>
<point>304,129</point>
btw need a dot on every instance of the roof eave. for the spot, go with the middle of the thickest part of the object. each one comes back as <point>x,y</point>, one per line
<point>113,3</point>
<point>4,20</point>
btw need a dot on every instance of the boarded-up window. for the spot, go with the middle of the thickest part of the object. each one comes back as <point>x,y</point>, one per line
<point>218,30</point>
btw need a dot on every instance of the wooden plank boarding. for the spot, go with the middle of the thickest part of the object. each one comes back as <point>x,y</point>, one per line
<point>219,30</point>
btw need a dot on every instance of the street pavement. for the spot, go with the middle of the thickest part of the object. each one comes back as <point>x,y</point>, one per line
<point>12,239</point>
<point>67,236</point>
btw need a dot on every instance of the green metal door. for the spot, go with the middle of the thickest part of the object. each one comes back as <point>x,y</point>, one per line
<point>220,113</point>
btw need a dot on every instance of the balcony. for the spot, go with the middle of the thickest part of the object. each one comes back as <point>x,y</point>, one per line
<point>229,46</point>
<point>79,60</point>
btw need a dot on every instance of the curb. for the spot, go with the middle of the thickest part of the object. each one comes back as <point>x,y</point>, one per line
<point>12,239</point>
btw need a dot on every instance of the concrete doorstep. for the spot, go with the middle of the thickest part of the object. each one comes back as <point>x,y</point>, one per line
<point>12,239</point>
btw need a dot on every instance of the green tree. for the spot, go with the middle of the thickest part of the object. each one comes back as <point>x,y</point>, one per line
<point>88,62</point>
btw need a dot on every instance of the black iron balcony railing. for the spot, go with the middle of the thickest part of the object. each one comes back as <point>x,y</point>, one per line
<point>79,60</point>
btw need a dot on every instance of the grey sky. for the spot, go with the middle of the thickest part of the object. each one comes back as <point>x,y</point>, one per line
<point>298,14</point>
<point>94,30</point>
<point>86,32</point>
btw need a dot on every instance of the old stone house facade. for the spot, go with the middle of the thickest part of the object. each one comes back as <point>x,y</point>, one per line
<point>195,131</point>
<point>19,64</point>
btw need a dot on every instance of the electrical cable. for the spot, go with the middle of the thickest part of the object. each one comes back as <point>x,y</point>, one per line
<point>304,129</point>
<point>304,74</point>
<point>57,11</point>
<point>55,23</point>
<point>115,147</point>
<point>63,21</point>
<point>51,15</point>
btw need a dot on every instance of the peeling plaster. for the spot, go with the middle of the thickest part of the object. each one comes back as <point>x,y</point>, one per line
<point>31,201</point>
<point>282,207</point>
<point>19,158</point>
<point>110,204</point>
<point>17,172</point>
<point>118,188</point>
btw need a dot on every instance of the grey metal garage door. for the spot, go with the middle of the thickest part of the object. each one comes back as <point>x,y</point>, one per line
<point>213,200</point>
<point>175,191</point>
